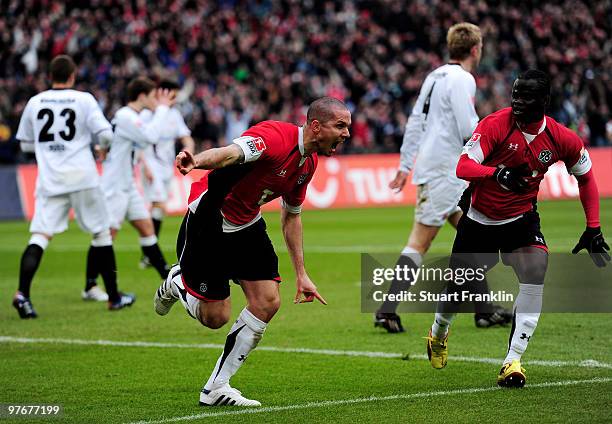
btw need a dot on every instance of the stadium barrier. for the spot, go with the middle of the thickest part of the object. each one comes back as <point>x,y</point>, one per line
<point>340,182</point>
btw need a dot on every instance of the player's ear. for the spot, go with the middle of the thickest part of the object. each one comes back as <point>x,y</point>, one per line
<point>315,126</point>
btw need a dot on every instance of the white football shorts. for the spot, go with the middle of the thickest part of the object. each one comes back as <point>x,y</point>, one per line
<point>437,199</point>
<point>51,212</point>
<point>128,204</point>
<point>157,190</point>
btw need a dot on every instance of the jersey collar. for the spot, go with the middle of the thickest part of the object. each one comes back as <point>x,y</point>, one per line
<point>301,140</point>
<point>531,137</point>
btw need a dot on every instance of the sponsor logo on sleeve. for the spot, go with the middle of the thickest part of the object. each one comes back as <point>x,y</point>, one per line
<point>472,141</point>
<point>255,145</point>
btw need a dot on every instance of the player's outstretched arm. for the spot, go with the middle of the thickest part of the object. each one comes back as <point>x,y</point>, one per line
<point>292,232</point>
<point>218,157</point>
<point>592,238</point>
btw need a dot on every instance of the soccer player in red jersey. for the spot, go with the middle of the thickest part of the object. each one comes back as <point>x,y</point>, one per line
<point>223,235</point>
<point>505,161</point>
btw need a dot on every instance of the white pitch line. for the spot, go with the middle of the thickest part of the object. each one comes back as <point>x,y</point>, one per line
<point>586,363</point>
<point>327,403</point>
<point>374,248</point>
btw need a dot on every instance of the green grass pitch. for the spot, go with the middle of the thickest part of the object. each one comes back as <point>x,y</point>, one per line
<point>127,383</point>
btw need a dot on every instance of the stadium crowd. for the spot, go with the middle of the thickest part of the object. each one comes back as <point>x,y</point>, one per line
<point>244,61</point>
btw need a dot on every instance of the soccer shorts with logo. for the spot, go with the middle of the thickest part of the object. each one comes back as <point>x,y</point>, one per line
<point>128,204</point>
<point>51,212</point>
<point>209,258</point>
<point>481,244</point>
<point>437,199</point>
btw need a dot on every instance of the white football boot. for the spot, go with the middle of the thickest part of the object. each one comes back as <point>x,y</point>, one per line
<point>225,395</point>
<point>95,293</point>
<point>168,292</point>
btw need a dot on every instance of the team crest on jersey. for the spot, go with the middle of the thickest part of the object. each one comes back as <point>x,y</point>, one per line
<point>203,287</point>
<point>545,156</point>
<point>302,178</point>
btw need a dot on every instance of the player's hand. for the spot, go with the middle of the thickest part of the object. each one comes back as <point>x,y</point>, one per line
<point>307,291</point>
<point>592,240</point>
<point>513,179</point>
<point>399,181</point>
<point>185,162</point>
<point>100,153</point>
<point>165,97</point>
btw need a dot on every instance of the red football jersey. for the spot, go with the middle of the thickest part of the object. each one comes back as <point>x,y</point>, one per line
<point>497,141</point>
<point>274,166</point>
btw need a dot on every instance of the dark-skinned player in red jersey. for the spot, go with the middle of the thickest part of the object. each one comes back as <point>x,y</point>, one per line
<point>223,236</point>
<point>505,161</point>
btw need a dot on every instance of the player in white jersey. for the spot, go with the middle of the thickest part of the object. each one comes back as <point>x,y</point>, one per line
<point>57,125</point>
<point>441,120</point>
<point>158,161</point>
<point>130,134</point>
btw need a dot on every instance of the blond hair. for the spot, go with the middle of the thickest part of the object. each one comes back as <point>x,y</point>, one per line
<point>461,38</point>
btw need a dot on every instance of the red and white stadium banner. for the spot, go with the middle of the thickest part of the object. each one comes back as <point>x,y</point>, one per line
<point>357,181</point>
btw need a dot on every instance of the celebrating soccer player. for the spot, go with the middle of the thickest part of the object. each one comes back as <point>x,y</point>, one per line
<point>505,161</point>
<point>223,235</point>
<point>57,125</point>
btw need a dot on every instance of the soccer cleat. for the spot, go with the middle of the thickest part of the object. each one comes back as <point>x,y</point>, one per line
<point>94,293</point>
<point>499,316</point>
<point>125,299</point>
<point>24,306</point>
<point>225,395</point>
<point>512,375</point>
<point>437,350</point>
<point>166,295</point>
<point>144,263</point>
<point>389,321</point>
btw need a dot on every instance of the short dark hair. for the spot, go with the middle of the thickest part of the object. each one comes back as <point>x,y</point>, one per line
<point>540,77</point>
<point>61,68</point>
<point>322,109</point>
<point>169,84</point>
<point>138,86</point>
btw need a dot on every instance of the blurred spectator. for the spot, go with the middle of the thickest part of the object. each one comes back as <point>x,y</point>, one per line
<point>272,57</point>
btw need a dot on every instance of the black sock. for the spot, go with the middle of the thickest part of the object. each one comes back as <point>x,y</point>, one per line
<point>92,271</point>
<point>104,256</point>
<point>397,286</point>
<point>29,264</point>
<point>156,258</point>
<point>157,225</point>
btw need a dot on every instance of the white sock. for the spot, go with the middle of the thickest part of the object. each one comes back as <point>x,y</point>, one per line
<point>527,308</point>
<point>413,254</point>
<point>441,323</point>
<point>190,303</point>
<point>241,340</point>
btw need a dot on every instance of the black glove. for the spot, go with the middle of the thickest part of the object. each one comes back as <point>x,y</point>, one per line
<point>592,240</point>
<point>513,179</point>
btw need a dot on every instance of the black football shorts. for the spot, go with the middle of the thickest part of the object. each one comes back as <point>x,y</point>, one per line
<point>209,258</point>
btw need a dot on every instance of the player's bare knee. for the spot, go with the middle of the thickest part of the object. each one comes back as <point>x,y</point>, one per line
<point>265,306</point>
<point>214,321</point>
